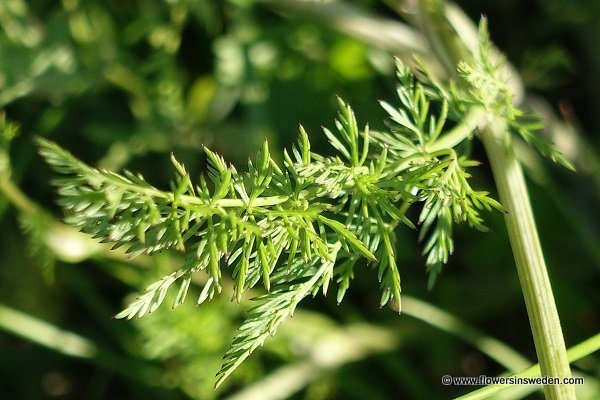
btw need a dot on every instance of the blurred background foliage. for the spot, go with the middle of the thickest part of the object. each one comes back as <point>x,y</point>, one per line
<point>123,83</point>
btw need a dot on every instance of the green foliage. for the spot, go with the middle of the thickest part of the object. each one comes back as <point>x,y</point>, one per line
<point>124,83</point>
<point>190,342</point>
<point>489,87</point>
<point>293,228</point>
<point>442,180</point>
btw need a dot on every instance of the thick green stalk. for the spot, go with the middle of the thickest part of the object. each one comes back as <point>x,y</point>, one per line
<point>522,232</point>
<point>531,267</point>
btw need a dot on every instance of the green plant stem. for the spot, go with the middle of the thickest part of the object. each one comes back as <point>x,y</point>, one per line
<point>191,200</point>
<point>15,196</point>
<point>71,344</point>
<point>474,118</point>
<point>574,354</point>
<point>531,267</point>
<point>441,319</point>
<point>332,350</point>
<point>535,283</point>
<point>385,33</point>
